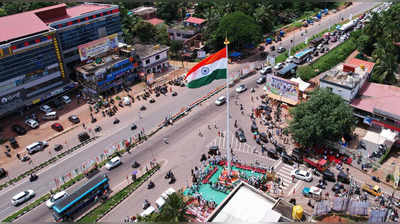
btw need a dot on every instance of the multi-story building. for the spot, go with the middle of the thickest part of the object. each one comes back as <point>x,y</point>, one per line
<point>154,58</point>
<point>81,24</point>
<point>145,12</point>
<point>38,50</point>
<point>188,31</point>
<point>110,71</point>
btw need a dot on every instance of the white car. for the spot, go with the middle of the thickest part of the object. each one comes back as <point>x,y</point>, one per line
<point>50,203</point>
<point>46,108</point>
<point>290,59</point>
<point>278,66</point>
<point>32,123</point>
<point>114,162</point>
<point>22,197</point>
<point>66,99</point>
<point>266,70</point>
<point>301,175</point>
<point>221,100</point>
<point>241,88</point>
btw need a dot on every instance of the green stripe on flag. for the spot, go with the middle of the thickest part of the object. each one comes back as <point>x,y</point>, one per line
<point>216,74</point>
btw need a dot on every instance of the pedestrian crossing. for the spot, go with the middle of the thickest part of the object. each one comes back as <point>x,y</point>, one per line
<point>284,173</point>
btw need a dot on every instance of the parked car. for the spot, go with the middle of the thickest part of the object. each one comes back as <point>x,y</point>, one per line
<point>272,48</point>
<point>221,100</point>
<point>56,197</point>
<point>337,188</point>
<point>36,146</point>
<point>66,99</point>
<point>22,197</point>
<point>240,135</point>
<point>261,80</point>
<point>74,119</point>
<point>57,126</point>
<point>328,175</point>
<point>278,66</point>
<point>58,147</point>
<point>333,39</point>
<point>50,116</point>
<point>266,70</point>
<point>3,173</point>
<point>290,59</point>
<point>14,144</point>
<point>241,88</point>
<point>46,108</point>
<point>114,162</point>
<point>301,175</point>
<point>281,49</point>
<point>83,136</point>
<point>32,123</point>
<point>18,129</point>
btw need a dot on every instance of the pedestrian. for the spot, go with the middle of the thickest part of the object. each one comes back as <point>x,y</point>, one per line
<point>83,125</point>
<point>215,125</point>
<point>252,99</point>
<point>235,123</point>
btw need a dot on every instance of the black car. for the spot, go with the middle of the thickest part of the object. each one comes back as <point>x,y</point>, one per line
<point>83,136</point>
<point>13,143</point>
<point>328,175</point>
<point>152,100</point>
<point>272,153</point>
<point>3,173</point>
<point>133,126</point>
<point>344,178</point>
<point>272,48</point>
<point>337,187</point>
<point>254,128</point>
<point>287,159</point>
<point>174,93</point>
<point>240,135</point>
<point>280,148</point>
<point>74,119</point>
<point>264,137</point>
<point>58,147</point>
<point>213,150</point>
<point>18,129</point>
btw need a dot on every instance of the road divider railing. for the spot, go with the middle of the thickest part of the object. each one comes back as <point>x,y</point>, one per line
<point>45,164</point>
<point>100,211</point>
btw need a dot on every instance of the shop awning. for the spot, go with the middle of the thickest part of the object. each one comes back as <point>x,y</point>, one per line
<point>322,162</point>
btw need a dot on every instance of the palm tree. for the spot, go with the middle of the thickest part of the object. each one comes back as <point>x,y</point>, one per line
<point>174,210</point>
<point>386,61</point>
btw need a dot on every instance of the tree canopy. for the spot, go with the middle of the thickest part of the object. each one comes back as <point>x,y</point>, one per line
<point>378,41</point>
<point>240,28</point>
<point>324,117</point>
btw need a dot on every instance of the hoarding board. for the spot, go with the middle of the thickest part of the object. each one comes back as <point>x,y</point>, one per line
<point>282,89</point>
<point>98,46</point>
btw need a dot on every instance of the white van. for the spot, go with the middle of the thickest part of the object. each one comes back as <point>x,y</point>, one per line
<point>36,146</point>
<point>66,99</point>
<point>50,116</point>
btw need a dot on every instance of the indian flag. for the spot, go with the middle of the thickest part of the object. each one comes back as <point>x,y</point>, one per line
<point>212,68</point>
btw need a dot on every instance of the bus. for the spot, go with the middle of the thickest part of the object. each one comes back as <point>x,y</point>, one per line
<point>64,209</point>
<point>303,56</point>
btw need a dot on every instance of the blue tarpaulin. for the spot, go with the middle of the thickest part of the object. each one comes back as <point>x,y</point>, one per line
<point>235,54</point>
<point>268,40</point>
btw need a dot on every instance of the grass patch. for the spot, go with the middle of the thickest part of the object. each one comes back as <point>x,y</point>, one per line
<point>104,208</point>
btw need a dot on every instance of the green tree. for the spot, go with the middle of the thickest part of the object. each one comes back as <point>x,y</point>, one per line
<point>324,117</point>
<point>264,17</point>
<point>128,23</point>
<point>162,34</point>
<point>364,44</point>
<point>170,10</point>
<point>240,28</point>
<point>145,31</point>
<point>175,47</point>
<point>386,57</point>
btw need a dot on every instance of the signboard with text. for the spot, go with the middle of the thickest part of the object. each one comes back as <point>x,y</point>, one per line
<point>96,47</point>
<point>282,89</point>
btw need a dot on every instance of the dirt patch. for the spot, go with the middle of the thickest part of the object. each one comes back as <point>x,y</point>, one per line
<point>334,219</point>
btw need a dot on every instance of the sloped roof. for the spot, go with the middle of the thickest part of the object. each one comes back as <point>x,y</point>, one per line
<point>378,96</point>
<point>155,21</point>
<point>195,20</point>
<point>358,62</point>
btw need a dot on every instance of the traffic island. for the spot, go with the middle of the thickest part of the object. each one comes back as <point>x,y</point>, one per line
<point>101,210</point>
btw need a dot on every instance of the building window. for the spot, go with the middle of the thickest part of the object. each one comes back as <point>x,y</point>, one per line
<point>147,61</point>
<point>178,34</point>
<point>329,88</point>
<point>148,71</point>
<point>157,57</point>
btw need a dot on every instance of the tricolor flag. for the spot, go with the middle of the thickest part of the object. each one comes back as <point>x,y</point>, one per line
<point>212,68</point>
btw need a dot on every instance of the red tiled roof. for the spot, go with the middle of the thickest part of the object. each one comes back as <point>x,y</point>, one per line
<point>155,21</point>
<point>358,62</point>
<point>379,96</point>
<point>195,20</point>
<point>35,21</point>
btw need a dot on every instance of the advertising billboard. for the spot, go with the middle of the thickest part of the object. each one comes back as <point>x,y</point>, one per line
<point>282,89</point>
<point>98,46</point>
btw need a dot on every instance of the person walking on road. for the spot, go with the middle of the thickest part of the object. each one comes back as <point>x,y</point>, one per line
<point>83,125</point>
<point>235,124</point>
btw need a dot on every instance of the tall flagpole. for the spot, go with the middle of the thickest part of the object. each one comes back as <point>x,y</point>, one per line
<point>228,151</point>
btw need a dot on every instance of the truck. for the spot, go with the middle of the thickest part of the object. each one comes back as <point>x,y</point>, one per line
<point>320,164</point>
<point>373,190</point>
<point>347,26</point>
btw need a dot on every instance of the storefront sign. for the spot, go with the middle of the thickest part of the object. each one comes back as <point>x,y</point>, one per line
<point>100,73</point>
<point>150,79</point>
<point>10,98</point>
<point>36,101</point>
<point>97,47</point>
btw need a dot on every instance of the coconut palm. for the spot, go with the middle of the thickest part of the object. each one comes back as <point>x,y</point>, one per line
<point>174,209</point>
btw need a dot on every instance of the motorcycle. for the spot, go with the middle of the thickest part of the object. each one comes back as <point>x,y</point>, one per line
<point>121,104</point>
<point>150,185</point>
<point>376,179</point>
<point>97,129</point>
<point>116,121</point>
<point>7,154</point>
<point>172,180</point>
<point>169,174</point>
<point>33,177</point>
<point>316,173</point>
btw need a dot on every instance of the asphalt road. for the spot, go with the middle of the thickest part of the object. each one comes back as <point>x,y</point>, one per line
<point>115,133</point>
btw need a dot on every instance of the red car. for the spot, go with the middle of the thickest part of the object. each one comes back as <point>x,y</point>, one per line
<point>57,126</point>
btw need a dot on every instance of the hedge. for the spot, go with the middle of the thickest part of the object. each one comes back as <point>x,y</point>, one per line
<point>327,61</point>
<point>101,210</point>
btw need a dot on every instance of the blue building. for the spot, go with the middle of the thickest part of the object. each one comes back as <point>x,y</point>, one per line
<point>38,50</point>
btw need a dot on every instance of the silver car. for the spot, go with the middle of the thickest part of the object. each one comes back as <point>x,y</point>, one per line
<point>22,197</point>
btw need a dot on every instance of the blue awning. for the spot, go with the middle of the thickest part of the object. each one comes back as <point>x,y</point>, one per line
<point>235,54</point>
